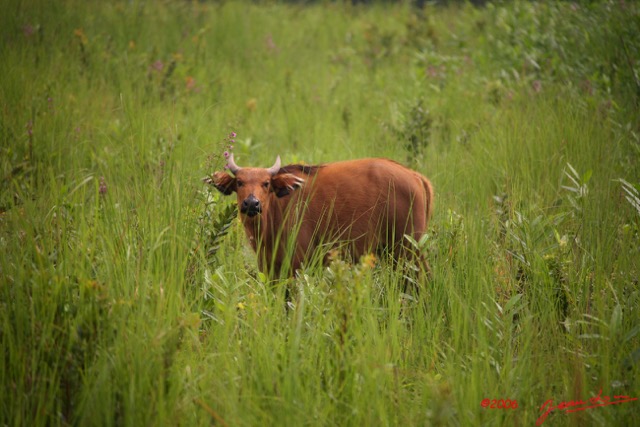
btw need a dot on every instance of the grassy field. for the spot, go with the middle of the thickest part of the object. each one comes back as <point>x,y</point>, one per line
<point>129,295</point>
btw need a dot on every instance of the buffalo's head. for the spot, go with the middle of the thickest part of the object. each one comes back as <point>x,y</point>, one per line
<point>254,185</point>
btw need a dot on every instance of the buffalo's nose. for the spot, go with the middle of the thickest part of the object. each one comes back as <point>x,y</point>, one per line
<point>250,206</point>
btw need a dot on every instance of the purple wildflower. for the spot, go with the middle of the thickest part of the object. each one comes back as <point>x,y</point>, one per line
<point>537,85</point>
<point>157,66</point>
<point>103,186</point>
<point>28,30</point>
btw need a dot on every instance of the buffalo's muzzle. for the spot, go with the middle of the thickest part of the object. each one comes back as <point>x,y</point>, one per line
<point>250,206</point>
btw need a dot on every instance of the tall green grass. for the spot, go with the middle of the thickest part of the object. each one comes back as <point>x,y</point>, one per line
<point>129,295</point>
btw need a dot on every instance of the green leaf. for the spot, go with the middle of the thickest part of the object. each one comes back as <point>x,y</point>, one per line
<point>512,302</point>
<point>632,333</point>
<point>616,319</point>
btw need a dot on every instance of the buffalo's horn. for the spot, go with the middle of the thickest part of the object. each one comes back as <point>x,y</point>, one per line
<point>231,164</point>
<point>275,168</point>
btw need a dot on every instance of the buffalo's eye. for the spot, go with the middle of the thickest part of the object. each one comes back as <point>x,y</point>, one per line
<point>239,183</point>
<point>265,184</point>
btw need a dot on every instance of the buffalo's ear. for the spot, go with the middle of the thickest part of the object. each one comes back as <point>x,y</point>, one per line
<point>223,182</point>
<point>284,183</point>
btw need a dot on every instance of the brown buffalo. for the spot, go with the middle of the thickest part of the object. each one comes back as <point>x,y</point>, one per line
<point>359,205</point>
